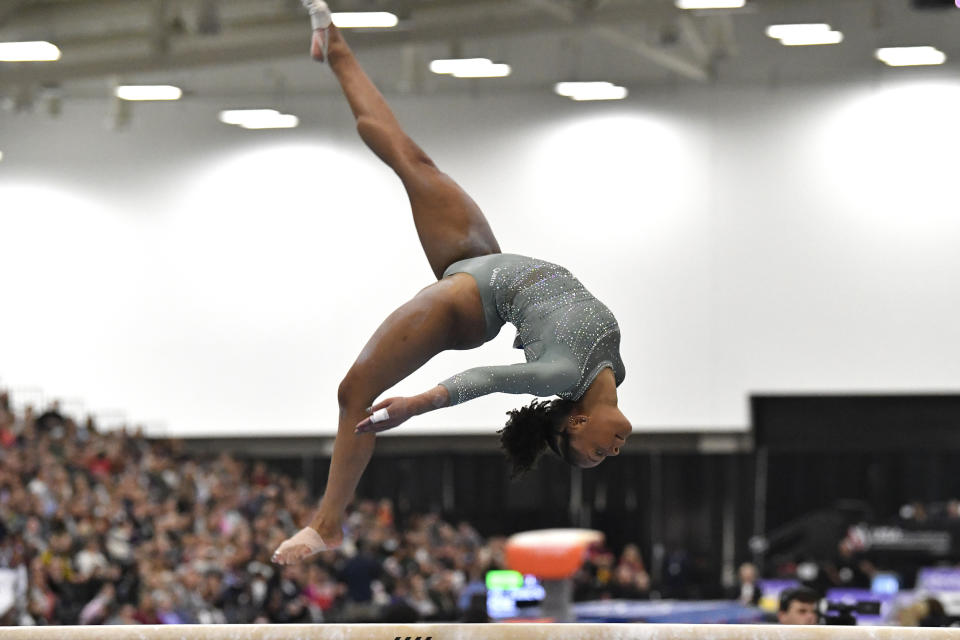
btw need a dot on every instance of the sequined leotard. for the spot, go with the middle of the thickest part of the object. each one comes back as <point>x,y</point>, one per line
<point>567,335</point>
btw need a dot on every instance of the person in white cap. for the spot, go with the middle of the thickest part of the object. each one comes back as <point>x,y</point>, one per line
<point>570,339</point>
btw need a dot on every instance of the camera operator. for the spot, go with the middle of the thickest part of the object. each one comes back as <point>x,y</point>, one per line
<point>798,606</point>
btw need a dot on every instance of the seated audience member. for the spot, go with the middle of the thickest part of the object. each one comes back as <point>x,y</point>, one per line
<point>747,592</point>
<point>798,606</point>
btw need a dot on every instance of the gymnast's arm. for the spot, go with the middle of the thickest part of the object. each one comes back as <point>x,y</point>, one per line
<point>540,378</point>
<point>393,412</point>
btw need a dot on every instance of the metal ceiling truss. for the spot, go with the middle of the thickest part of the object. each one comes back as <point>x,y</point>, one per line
<point>103,38</point>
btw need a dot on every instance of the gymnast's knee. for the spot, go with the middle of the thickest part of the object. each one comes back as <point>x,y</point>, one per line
<point>352,394</point>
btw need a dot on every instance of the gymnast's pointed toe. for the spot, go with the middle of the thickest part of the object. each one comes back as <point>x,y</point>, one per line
<point>304,544</point>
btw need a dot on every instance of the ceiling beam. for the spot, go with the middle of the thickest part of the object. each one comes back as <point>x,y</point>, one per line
<point>613,35</point>
<point>9,11</point>
<point>281,38</point>
<point>694,39</point>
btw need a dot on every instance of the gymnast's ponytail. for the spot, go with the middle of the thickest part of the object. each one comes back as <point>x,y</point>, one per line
<point>531,429</point>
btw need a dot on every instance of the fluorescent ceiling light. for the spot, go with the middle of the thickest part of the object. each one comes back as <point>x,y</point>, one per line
<point>364,19</point>
<point>793,35</point>
<point>489,71</point>
<point>910,56</point>
<point>711,4</point>
<point>570,89</point>
<point>259,119</point>
<point>36,51</point>
<point>778,31</point>
<point>1,156</point>
<point>612,93</point>
<point>802,40</point>
<point>583,91</point>
<point>280,121</point>
<point>238,116</point>
<point>470,68</point>
<point>459,65</point>
<point>148,92</point>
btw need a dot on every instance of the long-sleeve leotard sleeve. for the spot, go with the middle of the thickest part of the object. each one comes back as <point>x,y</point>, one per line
<point>540,378</point>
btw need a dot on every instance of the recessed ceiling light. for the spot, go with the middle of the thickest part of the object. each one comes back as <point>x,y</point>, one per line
<point>804,34</point>
<point>33,51</point>
<point>710,4</point>
<point>148,92</point>
<point>827,37</point>
<point>259,119</point>
<point>454,65</point>
<point>364,19</point>
<point>778,31</point>
<point>470,68</point>
<point>584,91</point>
<point>489,71</point>
<point>911,56</point>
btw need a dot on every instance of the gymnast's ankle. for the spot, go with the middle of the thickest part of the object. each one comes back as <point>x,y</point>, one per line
<point>330,529</point>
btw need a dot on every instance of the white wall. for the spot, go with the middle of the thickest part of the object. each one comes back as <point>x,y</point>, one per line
<point>212,280</point>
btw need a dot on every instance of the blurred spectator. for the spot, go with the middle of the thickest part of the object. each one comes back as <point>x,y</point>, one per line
<point>14,579</point>
<point>629,584</point>
<point>476,610</point>
<point>798,606</point>
<point>747,591</point>
<point>359,574</point>
<point>849,569</point>
<point>936,615</point>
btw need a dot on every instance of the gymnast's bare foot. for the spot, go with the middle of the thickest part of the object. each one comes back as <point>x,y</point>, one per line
<point>306,543</point>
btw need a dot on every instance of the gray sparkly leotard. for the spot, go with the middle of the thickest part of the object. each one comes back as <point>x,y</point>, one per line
<point>566,334</point>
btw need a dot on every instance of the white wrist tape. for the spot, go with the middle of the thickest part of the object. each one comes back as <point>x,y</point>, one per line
<point>379,415</point>
<point>320,16</point>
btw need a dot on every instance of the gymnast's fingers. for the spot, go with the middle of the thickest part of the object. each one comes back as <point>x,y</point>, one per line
<point>383,404</point>
<point>368,426</point>
<point>379,420</point>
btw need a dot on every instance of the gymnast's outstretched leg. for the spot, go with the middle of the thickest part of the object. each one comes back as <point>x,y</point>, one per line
<point>451,227</point>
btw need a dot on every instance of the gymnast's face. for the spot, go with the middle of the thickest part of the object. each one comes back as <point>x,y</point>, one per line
<point>598,435</point>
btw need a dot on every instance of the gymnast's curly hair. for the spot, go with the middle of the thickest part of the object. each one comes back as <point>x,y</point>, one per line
<point>531,429</point>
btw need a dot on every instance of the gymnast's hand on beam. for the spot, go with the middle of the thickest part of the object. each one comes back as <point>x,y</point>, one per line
<point>387,414</point>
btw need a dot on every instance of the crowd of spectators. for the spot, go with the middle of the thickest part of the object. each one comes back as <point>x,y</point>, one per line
<point>116,528</point>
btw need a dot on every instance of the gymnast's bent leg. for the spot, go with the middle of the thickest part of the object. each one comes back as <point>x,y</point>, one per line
<point>451,227</point>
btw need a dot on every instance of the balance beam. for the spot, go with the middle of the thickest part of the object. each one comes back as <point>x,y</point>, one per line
<point>473,632</point>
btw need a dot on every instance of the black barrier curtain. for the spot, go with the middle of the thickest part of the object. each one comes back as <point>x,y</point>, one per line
<point>674,506</point>
<point>800,483</point>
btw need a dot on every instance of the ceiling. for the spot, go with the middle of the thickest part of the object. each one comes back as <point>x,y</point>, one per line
<point>236,48</point>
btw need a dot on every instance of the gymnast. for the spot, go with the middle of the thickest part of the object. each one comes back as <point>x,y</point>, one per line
<point>571,341</point>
